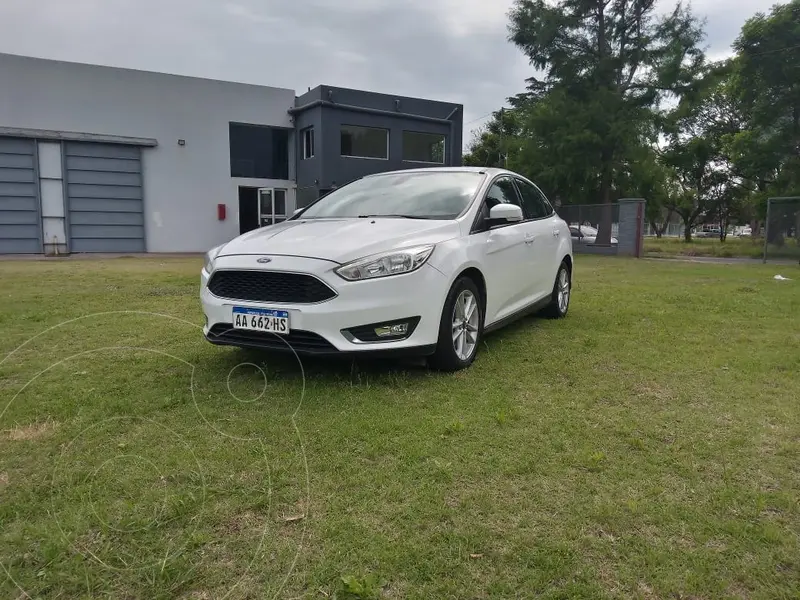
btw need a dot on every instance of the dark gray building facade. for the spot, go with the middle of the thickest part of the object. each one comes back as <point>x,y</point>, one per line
<point>343,134</point>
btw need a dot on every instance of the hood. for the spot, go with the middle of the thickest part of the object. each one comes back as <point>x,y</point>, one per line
<point>340,240</point>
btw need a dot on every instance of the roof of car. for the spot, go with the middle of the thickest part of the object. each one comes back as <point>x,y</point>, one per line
<point>487,170</point>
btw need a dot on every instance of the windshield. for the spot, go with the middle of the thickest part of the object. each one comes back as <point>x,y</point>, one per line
<point>434,195</point>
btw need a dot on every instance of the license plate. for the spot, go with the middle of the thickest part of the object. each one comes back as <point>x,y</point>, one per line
<point>261,319</point>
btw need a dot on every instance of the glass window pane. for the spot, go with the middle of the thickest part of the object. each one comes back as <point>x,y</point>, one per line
<point>502,192</point>
<point>434,195</point>
<point>265,202</point>
<point>364,142</point>
<point>280,202</point>
<point>258,151</point>
<point>534,204</point>
<point>308,143</point>
<point>423,147</point>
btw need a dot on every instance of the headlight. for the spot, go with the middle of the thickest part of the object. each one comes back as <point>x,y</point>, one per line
<point>208,261</point>
<point>394,262</point>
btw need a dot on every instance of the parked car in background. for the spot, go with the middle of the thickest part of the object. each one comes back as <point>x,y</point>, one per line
<point>421,261</point>
<point>708,231</point>
<point>745,231</point>
<point>584,234</point>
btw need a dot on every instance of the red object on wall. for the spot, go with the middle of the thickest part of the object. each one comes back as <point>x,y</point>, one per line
<point>221,212</point>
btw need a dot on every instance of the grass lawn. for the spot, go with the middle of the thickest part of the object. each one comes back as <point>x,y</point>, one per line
<point>732,247</point>
<point>644,447</point>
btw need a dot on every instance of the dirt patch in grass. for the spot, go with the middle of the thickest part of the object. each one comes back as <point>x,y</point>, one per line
<point>34,431</point>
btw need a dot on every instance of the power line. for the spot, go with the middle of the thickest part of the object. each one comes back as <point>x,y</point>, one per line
<point>774,51</point>
<point>481,117</point>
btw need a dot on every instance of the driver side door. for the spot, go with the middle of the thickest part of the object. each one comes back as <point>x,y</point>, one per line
<point>503,251</point>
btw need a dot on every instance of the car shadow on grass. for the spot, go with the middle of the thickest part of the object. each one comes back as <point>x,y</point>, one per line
<point>286,365</point>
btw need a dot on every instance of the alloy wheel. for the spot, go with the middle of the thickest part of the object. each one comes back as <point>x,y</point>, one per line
<point>563,291</point>
<point>466,318</point>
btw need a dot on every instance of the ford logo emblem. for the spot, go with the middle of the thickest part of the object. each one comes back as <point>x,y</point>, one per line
<point>264,260</point>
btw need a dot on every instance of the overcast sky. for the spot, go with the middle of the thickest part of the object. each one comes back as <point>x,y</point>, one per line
<point>452,50</point>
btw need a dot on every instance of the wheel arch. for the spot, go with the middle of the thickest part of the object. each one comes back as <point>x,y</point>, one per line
<point>475,274</point>
<point>568,259</point>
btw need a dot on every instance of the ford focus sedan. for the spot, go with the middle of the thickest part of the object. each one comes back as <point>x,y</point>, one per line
<point>414,262</point>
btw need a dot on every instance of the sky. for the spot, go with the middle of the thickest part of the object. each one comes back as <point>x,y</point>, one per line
<point>450,50</point>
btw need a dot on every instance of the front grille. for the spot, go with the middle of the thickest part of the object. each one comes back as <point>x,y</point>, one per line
<point>269,286</point>
<point>304,342</point>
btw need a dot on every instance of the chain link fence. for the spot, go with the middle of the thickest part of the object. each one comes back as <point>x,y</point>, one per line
<point>781,239</point>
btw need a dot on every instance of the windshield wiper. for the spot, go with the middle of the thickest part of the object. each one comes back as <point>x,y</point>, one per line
<point>393,216</point>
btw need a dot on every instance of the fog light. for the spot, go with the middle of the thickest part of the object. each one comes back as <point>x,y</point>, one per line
<point>391,330</point>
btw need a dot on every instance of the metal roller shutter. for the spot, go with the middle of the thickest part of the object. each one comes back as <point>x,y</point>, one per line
<point>20,225</point>
<point>104,197</point>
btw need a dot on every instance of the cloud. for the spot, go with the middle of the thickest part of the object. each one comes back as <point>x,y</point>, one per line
<point>452,50</point>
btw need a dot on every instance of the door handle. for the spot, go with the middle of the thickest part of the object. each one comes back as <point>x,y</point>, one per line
<point>529,238</point>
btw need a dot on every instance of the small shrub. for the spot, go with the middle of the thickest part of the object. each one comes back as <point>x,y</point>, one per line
<point>454,427</point>
<point>594,462</point>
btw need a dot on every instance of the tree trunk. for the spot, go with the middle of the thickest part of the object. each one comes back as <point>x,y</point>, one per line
<point>687,231</point>
<point>604,228</point>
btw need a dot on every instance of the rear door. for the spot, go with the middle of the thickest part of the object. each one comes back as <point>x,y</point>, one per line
<point>504,253</point>
<point>545,232</point>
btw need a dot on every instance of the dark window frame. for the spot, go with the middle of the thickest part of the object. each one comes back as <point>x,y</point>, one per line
<point>479,222</point>
<point>342,127</point>
<point>268,155</point>
<point>424,162</point>
<point>549,210</point>
<point>304,138</point>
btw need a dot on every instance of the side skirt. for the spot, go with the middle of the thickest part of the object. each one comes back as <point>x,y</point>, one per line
<point>522,312</point>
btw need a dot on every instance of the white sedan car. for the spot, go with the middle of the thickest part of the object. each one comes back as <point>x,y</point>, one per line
<point>417,262</point>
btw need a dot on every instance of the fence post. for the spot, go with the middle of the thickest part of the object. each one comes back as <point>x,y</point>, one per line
<point>631,227</point>
<point>766,231</point>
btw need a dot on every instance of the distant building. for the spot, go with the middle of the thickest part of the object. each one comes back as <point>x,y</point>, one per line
<point>102,159</point>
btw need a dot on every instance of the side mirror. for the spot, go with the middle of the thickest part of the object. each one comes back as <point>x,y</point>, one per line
<point>505,213</point>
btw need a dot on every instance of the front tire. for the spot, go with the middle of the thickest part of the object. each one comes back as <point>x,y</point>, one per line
<point>562,290</point>
<point>460,328</point>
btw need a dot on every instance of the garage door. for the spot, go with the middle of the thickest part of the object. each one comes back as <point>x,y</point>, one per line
<point>20,227</point>
<point>104,196</point>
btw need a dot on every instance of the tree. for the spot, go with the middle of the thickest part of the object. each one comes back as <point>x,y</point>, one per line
<point>496,141</point>
<point>697,130</point>
<point>607,64</point>
<point>766,81</point>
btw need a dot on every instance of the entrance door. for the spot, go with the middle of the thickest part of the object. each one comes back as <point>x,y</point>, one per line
<point>271,206</point>
<point>248,209</point>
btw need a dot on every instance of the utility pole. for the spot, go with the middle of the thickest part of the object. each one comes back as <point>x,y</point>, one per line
<point>503,148</point>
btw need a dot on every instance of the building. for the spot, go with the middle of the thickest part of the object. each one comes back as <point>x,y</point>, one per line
<point>102,159</point>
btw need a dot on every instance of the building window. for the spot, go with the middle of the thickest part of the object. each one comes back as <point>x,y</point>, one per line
<point>308,143</point>
<point>423,147</point>
<point>364,142</point>
<point>259,152</point>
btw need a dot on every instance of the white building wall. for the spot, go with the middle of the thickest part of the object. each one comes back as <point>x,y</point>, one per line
<point>182,184</point>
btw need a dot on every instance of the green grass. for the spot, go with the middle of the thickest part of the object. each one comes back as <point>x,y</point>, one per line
<point>744,247</point>
<point>644,447</point>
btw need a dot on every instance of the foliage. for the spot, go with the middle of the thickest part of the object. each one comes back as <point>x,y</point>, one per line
<point>358,588</point>
<point>592,127</point>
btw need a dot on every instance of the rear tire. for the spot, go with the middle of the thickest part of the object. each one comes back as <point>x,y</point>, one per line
<point>562,291</point>
<point>460,327</point>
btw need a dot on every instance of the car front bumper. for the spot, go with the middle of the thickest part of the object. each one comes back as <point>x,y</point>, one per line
<point>321,328</point>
